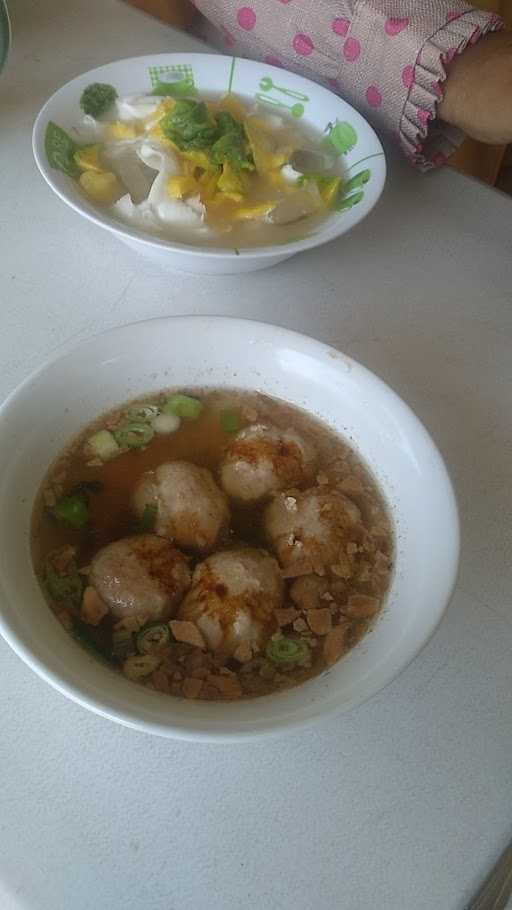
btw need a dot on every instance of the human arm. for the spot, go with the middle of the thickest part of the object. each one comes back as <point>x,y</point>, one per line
<point>401,71</point>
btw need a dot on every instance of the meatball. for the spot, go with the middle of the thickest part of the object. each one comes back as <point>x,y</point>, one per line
<point>263,459</point>
<point>141,575</point>
<point>191,509</point>
<point>309,531</point>
<point>232,599</point>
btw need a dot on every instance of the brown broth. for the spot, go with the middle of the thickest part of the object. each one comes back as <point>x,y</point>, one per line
<point>203,442</point>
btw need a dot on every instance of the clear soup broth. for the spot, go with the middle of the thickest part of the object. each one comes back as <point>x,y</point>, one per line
<point>216,171</point>
<point>213,544</point>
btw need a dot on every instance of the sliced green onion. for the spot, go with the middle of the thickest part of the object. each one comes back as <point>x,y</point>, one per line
<point>140,665</point>
<point>66,589</point>
<point>153,637</point>
<point>134,435</point>
<point>103,445</point>
<point>183,406</point>
<point>230,421</point>
<point>287,652</point>
<point>146,412</point>
<point>147,522</point>
<point>72,511</point>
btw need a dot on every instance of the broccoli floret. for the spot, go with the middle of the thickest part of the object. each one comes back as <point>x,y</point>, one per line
<point>97,98</point>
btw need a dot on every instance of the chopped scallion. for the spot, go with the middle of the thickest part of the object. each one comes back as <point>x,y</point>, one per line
<point>153,637</point>
<point>134,435</point>
<point>183,406</point>
<point>287,652</point>
<point>72,510</point>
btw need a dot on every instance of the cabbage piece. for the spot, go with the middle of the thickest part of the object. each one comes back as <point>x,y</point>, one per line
<point>190,126</point>
<point>232,145</point>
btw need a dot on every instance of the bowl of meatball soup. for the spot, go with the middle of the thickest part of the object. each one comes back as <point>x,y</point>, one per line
<point>220,529</point>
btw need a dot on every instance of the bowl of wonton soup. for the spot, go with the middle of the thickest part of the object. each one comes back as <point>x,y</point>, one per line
<point>143,358</point>
<point>336,177</point>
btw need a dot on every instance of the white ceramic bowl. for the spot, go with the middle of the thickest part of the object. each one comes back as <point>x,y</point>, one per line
<point>48,409</point>
<point>212,74</point>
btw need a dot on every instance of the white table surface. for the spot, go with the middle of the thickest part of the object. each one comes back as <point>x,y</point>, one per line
<point>402,804</point>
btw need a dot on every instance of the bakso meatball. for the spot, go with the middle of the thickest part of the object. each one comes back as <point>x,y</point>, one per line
<point>141,575</point>
<point>309,531</point>
<point>263,459</point>
<point>190,508</point>
<point>232,599</point>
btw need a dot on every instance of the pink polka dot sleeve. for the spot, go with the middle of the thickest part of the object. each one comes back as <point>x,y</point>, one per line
<point>387,58</point>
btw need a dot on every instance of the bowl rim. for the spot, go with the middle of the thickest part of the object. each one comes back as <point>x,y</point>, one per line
<point>228,731</point>
<point>157,243</point>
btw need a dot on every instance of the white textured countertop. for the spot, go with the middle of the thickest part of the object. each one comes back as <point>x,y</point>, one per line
<point>402,804</point>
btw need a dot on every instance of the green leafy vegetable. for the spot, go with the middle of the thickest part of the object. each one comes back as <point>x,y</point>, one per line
<point>190,126</point>
<point>232,144</point>
<point>230,421</point>
<point>147,522</point>
<point>72,510</point>
<point>153,637</point>
<point>287,652</point>
<point>66,589</point>
<point>183,88</point>
<point>183,406</point>
<point>96,99</point>
<point>60,149</point>
<point>134,435</point>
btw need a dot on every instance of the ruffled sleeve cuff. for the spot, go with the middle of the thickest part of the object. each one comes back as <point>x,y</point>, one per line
<point>427,141</point>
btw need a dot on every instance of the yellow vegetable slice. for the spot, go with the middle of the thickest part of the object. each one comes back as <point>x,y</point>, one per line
<point>121,130</point>
<point>233,105</point>
<point>88,158</point>
<point>253,212</point>
<point>266,150</point>
<point>208,186</point>
<point>182,185</point>
<point>163,108</point>
<point>197,157</point>
<point>101,187</point>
